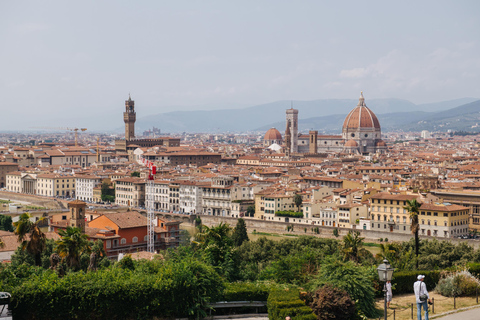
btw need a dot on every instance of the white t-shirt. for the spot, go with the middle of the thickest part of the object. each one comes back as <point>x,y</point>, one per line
<point>420,288</point>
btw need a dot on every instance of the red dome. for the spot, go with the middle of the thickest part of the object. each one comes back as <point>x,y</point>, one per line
<point>361,117</point>
<point>272,134</point>
<point>381,143</point>
<point>351,143</point>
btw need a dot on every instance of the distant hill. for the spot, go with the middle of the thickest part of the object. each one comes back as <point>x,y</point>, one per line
<point>461,118</point>
<point>324,115</point>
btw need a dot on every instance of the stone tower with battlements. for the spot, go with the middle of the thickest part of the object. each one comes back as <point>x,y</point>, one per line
<point>129,117</point>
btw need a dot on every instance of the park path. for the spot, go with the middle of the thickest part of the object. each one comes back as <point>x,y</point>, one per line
<point>471,314</point>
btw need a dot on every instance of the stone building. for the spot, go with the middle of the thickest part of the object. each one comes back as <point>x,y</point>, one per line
<point>361,130</point>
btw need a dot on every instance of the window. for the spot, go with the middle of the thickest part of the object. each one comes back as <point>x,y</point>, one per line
<point>134,239</point>
<point>145,238</point>
<point>123,241</point>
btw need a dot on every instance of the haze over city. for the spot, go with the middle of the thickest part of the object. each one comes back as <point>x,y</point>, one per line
<point>70,63</point>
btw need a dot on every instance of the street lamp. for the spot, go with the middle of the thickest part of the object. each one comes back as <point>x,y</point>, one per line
<point>385,273</point>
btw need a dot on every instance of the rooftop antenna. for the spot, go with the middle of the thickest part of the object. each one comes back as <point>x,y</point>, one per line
<point>291,104</point>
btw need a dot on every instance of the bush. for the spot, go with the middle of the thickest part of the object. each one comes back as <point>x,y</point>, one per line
<point>403,280</point>
<point>182,289</point>
<point>282,303</point>
<point>333,303</point>
<point>246,291</point>
<point>292,214</point>
<point>458,284</point>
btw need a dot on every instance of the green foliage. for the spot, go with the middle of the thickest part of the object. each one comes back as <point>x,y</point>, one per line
<point>108,192</point>
<point>246,291</point>
<point>352,243</point>
<point>6,223</point>
<point>286,302</point>
<point>458,284</point>
<point>291,214</point>
<point>335,232</point>
<point>297,199</point>
<point>250,211</point>
<point>403,280</point>
<point>71,246</point>
<point>26,229</point>
<point>127,263</point>
<point>24,257</point>
<point>240,233</point>
<point>174,290</point>
<point>135,174</point>
<point>333,303</point>
<point>356,280</point>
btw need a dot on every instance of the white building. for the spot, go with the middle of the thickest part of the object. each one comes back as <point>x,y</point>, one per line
<point>84,187</point>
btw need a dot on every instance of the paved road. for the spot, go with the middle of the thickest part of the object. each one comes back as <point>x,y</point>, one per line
<point>472,314</point>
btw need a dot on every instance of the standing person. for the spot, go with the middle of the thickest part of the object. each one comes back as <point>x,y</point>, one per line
<point>389,293</point>
<point>420,289</point>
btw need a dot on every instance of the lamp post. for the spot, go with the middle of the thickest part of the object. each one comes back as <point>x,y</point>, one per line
<point>385,273</point>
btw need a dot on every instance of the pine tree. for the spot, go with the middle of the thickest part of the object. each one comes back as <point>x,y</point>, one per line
<point>240,233</point>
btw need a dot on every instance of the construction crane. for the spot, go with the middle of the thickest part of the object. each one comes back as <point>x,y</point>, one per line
<point>63,128</point>
<point>150,203</point>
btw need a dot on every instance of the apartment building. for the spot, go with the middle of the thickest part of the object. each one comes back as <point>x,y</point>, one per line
<point>84,186</point>
<point>130,192</point>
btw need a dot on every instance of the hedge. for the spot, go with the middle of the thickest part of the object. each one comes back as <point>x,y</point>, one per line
<point>246,291</point>
<point>403,280</point>
<point>292,214</point>
<point>282,303</point>
<point>181,289</point>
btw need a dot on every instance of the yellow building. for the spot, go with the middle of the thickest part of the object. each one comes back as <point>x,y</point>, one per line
<point>56,185</point>
<point>443,220</point>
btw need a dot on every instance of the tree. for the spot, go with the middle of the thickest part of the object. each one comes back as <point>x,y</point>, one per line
<point>250,211</point>
<point>412,207</point>
<point>108,192</point>
<point>71,246</point>
<point>6,223</point>
<point>240,233</point>
<point>333,303</point>
<point>297,199</point>
<point>31,237</point>
<point>352,243</point>
<point>356,280</point>
<point>135,174</point>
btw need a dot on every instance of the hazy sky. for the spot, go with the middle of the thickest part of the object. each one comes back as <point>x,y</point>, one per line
<point>69,58</point>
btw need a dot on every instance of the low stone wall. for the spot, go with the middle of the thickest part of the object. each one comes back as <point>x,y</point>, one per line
<point>49,203</point>
<point>324,232</point>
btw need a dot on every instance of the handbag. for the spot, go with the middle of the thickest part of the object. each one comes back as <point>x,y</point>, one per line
<point>423,297</point>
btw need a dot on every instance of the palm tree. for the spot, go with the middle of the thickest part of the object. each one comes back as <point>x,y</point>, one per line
<point>31,237</point>
<point>71,246</point>
<point>215,241</point>
<point>412,207</point>
<point>352,243</point>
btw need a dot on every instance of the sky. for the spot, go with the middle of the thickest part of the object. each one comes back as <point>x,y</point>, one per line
<point>73,59</point>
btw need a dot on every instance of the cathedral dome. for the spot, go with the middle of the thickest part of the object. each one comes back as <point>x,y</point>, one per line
<point>272,134</point>
<point>361,117</point>
<point>351,143</point>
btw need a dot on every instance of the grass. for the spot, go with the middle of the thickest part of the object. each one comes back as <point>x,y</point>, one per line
<point>5,201</point>
<point>402,305</point>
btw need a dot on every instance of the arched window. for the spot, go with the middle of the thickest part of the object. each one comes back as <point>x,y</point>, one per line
<point>123,241</point>
<point>134,239</point>
<point>145,238</point>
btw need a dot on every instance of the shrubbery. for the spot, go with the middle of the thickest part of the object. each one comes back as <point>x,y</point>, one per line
<point>286,302</point>
<point>458,284</point>
<point>292,214</point>
<point>403,280</point>
<point>175,290</point>
<point>332,303</point>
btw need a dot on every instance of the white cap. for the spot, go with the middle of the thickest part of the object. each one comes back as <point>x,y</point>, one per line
<point>420,277</point>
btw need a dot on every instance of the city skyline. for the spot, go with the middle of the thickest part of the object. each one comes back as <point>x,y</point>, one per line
<point>68,61</point>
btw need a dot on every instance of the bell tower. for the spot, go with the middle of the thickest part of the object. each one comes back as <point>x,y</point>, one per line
<point>129,117</point>
<point>77,214</point>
